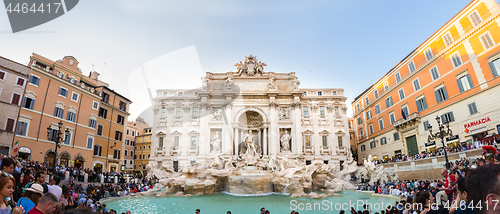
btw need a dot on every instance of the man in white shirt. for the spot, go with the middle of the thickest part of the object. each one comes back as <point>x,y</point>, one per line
<point>54,187</point>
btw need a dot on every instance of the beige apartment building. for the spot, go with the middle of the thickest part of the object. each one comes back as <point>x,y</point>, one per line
<point>13,80</point>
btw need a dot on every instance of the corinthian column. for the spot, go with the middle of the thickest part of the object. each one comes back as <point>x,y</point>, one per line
<point>274,131</point>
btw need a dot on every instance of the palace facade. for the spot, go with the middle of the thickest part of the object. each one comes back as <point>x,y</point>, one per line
<point>195,125</point>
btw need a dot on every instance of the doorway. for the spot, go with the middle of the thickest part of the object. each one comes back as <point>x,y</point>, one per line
<point>411,144</point>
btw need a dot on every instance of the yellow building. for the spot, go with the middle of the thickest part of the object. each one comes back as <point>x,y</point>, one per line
<point>453,76</point>
<point>142,150</point>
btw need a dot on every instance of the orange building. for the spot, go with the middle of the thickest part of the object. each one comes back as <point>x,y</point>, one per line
<point>452,75</point>
<point>57,91</point>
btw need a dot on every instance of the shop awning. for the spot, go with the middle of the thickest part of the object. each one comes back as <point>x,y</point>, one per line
<point>25,150</point>
<point>430,144</point>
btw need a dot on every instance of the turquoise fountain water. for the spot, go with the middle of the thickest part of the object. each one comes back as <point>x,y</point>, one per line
<point>221,203</point>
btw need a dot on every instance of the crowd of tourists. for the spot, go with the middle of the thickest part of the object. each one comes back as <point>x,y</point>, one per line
<point>464,189</point>
<point>478,144</point>
<point>24,188</point>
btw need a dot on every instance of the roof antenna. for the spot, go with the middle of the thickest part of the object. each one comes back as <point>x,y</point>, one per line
<point>92,66</point>
<point>102,72</point>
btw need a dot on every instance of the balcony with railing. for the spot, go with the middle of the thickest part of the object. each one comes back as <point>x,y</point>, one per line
<point>193,150</point>
<point>160,151</point>
<point>325,150</point>
<point>411,120</point>
<point>341,150</point>
<point>308,150</point>
<point>175,151</point>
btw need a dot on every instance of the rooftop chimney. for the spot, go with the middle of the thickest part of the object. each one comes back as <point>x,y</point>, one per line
<point>94,75</point>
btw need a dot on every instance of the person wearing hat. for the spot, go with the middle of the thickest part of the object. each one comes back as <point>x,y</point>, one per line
<point>31,197</point>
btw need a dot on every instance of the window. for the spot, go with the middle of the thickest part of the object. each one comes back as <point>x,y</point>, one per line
<point>360,120</point>
<point>322,110</point>
<point>116,154</point>
<point>28,103</point>
<point>179,94</point>
<point>370,127</point>
<point>58,112</point>
<point>388,102</point>
<point>193,141</point>
<point>63,92</point>
<point>401,94</point>
<point>92,123</point>
<point>34,80</point>
<point>363,148</point>
<point>52,135</point>
<point>411,66</point>
<point>475,18</point>
<point>349,124</point>
<point>472,108</point>
<point>434,73</point>
<point>105,97</point>
<point>334,93</point>
<point>386,86</point>
<point>308,140</point>
<point>357,106</point>
<point>361,133</point>
<point>396,136</point>
<point>120,119</point>
<point>373,144</point>
<point>377,109</point>
<point>350,136</point>
<point>67,139</point>
<point>325,140</point>
<point>20,81</point>
<point>456,60</point>
<point>339,139</point>
<point>71,116</point>
<point>392,118</point>
<point>131,154</point>
<point>383,141</point>
<point>464,83</point>
<point>103,112</point>
<point>97,150</point>
<point>428,54</point>
<point>376,93</point>
<point>160,142</point>
<point>178,112</point>
<point>448,40</point>
<point>90,142</point>
<point>405,110</point>
<point>306,111</point>
<point>421,104</point>
<point>95,105</point>
<point>118,135</point>
<point>22,128</point>
<point>123,106</point>
<point>99,130</point>
<point>416,84</point>
<point>367,101</point>
<point>2,75</point>
<point>126,152</point>
<point>381,124</point>
<point>127,142</point>
<point>195,111</point>
<point>447,117</point>
<point>441,94</point>
<point>319,93</point>
<point>176,141</point>
<point>368,114</point>
<point>398,77</point>
<point>494,67</point>
<point>426,125</point>
<point>74,97</point>
<point>15,98</point>
<point>486,40</point>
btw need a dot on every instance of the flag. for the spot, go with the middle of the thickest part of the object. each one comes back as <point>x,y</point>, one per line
<point>16,145</point>
<point>403,114</point>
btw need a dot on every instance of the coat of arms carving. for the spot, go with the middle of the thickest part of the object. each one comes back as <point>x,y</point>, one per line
<point>250,67</point>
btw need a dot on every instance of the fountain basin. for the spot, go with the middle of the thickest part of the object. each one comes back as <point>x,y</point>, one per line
<point>250,184</point>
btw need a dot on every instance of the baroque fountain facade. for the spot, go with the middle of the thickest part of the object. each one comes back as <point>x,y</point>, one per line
<point>251,132</point>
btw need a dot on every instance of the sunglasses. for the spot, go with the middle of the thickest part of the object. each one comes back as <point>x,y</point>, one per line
<point>7,174</point>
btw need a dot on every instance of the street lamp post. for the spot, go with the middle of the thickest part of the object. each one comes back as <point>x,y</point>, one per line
<point>56,137</point>
<point>441,134</point>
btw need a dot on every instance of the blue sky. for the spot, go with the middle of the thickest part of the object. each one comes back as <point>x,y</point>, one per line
<point>329,44</point>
